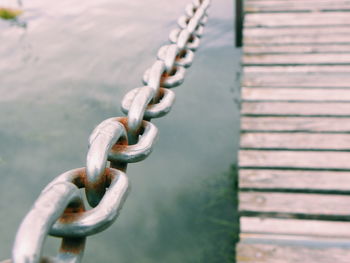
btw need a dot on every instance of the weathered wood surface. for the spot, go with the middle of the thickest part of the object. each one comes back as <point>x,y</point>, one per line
<point>318,80</point>
<point>301,109</point>
<point>295,227</point>
<point>296,124</point>
<point>294,180</point>
<point>294,94</point>
<point>297,49</point>
<point>322,19</point>
<point>295,203</point>
<point>267,253</point>
<point>293,141</point>
<point>299,39</point>
<point>262,70</point>
<point>326,32</point>
<point>293,59</point>
<point>269,6</point>
<point>294,160</point>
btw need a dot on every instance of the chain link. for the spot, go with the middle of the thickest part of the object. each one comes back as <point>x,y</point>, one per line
<point>59,210</point>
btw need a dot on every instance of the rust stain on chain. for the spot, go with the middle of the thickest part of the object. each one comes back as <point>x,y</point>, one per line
<point>72,212</point>
<point>73,245</point>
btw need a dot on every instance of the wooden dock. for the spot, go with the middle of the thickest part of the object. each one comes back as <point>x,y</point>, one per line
<point>294,160</point>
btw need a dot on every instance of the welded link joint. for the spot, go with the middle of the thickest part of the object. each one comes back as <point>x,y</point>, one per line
<point>59,210</point>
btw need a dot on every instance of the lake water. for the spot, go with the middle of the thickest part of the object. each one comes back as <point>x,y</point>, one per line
<point>64,67</point>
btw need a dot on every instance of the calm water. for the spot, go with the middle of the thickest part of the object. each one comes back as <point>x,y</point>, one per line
<point>64,68</point>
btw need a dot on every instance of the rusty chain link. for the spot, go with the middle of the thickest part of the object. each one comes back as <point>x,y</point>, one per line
<point>59,210</point>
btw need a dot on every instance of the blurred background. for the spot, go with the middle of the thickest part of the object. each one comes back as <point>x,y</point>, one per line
<point>64,67</point>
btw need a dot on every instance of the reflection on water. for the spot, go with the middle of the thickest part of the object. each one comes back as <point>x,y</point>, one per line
<point>67,71</point>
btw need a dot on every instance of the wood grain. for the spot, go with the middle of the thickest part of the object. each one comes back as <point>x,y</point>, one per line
<point>318,80</point>
<point>295,108</point>
<point>293,59</point>
<point>295,227</point>
<point>324,19</point>
<point>293,94</point>
<point>296,6</point>
<point>262,70</point>
<point>284,179</point>
<point>267,253</point>
<point>294,141</point>
<point>294,159</point>
<point>296,124</point>
<point>294,203</point>
<point>297,49</point>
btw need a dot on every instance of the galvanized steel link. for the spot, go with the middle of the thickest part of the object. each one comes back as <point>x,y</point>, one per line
<point>59,210</point>
<point>86,223</point>
<point>37,223</point>
<point>152,110</point>
<point>101,141</point>
<point>183,58</point>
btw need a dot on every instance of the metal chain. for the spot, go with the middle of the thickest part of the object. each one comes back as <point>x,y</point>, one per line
<point>59,210</point>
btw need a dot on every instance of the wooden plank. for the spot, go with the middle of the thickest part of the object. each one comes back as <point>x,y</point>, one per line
<point>294,160</point>
<point>297,39</point>
<point>305,31</point>
<point>313,1</point>
<point>295,203</point>
<point>283,6</point>
<point>294,141</point>
<point>295,227</point>
<point>325,19</point>
<point>295,109</point>
<point>296,124</point>
<point>293,59</point>
<point>295,69</point>
<point>297,80</point>
<point>295,94</point>
<point>273,253</point>
<point>284,179</point>
<point>296,49</point>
